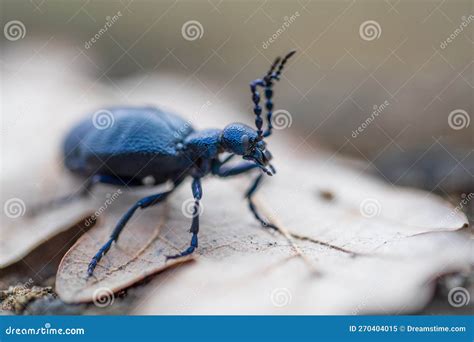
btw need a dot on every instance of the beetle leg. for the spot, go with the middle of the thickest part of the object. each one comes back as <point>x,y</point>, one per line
<point>83,192</point>
<point>142,204</point>
<point>197,194</point>
<point>250,192</point>
<point>228,171</point>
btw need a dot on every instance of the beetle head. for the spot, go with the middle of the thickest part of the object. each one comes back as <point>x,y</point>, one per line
<point>243,140</point>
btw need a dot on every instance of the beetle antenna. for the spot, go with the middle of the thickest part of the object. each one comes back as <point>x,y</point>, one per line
<point>267,84</point>
<point>269,89</point>
<point>272,68</point>
<point>277,74</point>
<point>257,109</point>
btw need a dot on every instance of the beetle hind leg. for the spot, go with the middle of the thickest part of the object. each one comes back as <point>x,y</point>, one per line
<point>197,194</point>
<point>81,193</point>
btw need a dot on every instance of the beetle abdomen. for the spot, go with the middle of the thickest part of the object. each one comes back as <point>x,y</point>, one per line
<point>137,142</point>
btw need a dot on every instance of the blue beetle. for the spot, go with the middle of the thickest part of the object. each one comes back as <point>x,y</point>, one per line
<point>148,143</point>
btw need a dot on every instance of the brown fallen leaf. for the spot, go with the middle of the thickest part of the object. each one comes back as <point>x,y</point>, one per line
<point>139,252</point>
<point>37,111</point>
<point>349,231</point>
<point>229,230</point>
<point>22,232</point>
<point>391,282</point>
<point>345,233</point>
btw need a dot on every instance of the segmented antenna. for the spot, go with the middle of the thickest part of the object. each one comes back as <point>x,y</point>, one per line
<point>257,109</point>
<point>267,84</point>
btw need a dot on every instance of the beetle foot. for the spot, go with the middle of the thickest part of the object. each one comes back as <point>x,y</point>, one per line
<point>92,265</point>
<point>188,251</point>
<point>98,256</point>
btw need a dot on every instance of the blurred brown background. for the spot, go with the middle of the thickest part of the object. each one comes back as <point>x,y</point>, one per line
<point>341,72</point>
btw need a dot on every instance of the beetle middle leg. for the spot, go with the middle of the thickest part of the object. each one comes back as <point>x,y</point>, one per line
<point>142,204</point>
<point>197,194</point>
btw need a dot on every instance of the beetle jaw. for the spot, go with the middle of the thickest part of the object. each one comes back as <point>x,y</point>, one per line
<point>262,158</point>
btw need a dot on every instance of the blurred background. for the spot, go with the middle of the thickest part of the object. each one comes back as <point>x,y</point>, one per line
<point>387,82</point>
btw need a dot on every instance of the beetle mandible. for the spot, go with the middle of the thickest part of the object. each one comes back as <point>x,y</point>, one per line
<point>146,141</point>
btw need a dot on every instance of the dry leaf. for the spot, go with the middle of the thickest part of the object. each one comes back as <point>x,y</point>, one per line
<point>228,230</point>
<point>342,231</point>
<point>37,111</point>
<point>392,270</point>
<point>139,252</point>
<point>391,282</point>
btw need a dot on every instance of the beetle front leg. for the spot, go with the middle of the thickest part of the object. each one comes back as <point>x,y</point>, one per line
<point>197,194</point>
<point>250,192</point>
<point>229,171</point>
<point>242,168</point>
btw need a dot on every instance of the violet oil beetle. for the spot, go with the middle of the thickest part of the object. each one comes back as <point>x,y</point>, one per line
<point>149,143</point>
